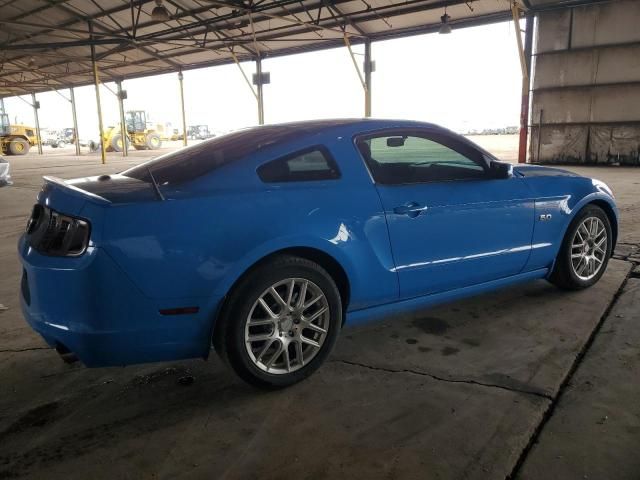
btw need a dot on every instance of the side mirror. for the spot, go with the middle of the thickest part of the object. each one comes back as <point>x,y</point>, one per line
<point>395,141</point>
<point>500,170</point>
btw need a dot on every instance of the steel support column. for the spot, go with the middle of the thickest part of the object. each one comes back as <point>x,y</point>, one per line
<point>76,135</point>
<point>123,125</point>
<point>526,88</point>
<point>368,68</point>
<point>184,117</point>
<point>257,81</point>
<point>259,94</point>
<point>36,106</point>
<point>96,81</point>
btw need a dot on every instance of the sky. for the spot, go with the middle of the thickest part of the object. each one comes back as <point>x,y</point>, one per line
<point>470,79</point>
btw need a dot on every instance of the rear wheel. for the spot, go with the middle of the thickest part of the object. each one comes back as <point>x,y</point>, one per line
<point>585,250</point>
<point>18,146</point>
<point>280,323</point>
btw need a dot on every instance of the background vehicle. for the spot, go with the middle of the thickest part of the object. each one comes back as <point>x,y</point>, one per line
<point>199,132</point>
<point>69,135</point>
<point>54,138</point>
<point>266,240</point>
<point>165,130</point>
<point>15,139</point>
<point>138,134</point>
<point>5,174</point>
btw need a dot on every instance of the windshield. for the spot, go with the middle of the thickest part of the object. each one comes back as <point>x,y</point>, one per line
<point>197,160</point>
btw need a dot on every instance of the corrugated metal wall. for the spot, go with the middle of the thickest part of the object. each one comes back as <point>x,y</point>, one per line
<point>586,85</point>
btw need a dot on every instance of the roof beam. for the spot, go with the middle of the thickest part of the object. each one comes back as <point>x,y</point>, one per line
<point>123,47</point>
<point>364,15</point>
<point>292,20</point>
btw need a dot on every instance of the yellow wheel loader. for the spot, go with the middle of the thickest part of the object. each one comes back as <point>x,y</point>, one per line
<point>15,139</point>
<point>138,135</point>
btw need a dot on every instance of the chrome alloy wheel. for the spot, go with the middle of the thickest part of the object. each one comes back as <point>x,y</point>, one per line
<point>589,248</point>
<point>287,326</point>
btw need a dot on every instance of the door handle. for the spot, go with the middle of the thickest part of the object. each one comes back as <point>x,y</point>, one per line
<point>411,209</point>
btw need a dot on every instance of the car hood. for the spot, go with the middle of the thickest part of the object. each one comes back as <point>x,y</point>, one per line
<point>541,171</point>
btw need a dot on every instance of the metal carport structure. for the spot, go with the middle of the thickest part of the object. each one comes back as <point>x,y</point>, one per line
<point>54,44</point>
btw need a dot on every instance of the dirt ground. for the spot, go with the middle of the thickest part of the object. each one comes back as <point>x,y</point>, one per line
<point>505,147</point>
<point>531,382</point>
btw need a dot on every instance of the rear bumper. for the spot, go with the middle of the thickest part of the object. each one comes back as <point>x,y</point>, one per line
<point>89,306</point>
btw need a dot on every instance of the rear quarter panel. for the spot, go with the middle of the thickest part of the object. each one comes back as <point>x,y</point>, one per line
<point>199,246</point>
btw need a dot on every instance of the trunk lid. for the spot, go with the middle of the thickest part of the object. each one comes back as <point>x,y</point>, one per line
<point>67,198</point>
<point>115,189</point>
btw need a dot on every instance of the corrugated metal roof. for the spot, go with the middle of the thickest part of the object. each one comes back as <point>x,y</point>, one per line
<point>46,44</point>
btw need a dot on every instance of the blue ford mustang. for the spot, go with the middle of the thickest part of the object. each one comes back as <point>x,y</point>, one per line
<point>264,242</point>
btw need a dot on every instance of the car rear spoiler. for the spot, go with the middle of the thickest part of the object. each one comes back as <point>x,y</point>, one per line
<point>75,191</point>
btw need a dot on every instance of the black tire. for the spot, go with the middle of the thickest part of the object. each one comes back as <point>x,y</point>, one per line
<point>153,141</point>
<point>116,144</point>
<point>564,274</point>
<point>229,333</point>
<point>18,146</point>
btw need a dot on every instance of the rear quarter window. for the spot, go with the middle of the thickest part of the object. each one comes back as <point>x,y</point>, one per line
<point>312,164</point>
<point>201,159</point>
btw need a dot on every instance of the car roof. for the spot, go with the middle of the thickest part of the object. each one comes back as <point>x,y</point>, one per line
<point>326,125</point>
<point>284,132</point>
<point>268,141</point>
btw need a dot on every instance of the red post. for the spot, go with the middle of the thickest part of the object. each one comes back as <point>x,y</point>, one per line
<point>524,126</point>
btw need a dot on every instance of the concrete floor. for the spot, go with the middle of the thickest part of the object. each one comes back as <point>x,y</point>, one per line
<point>527,383</point>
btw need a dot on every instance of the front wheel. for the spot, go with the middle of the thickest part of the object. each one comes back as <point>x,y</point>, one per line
<point>280,322</point>
<point>585,250</point>
<point>153,141</point>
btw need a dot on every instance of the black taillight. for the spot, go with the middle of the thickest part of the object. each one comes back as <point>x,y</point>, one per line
<point>54,233</point>
<point>37,214</point>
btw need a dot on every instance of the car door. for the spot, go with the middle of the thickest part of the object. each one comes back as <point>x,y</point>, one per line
<point>452,223</point>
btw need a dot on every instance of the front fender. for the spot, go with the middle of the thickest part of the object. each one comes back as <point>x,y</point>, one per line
<point>558,201</point>
<point>609,206</point>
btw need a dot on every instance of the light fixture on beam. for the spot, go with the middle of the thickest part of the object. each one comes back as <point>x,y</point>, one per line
<point>445,28</point>
<point>32,62</point>
<point>159,12</point>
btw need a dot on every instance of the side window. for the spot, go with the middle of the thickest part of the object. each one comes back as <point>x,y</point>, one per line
<point>402,159</point>
<point>307,166</point>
